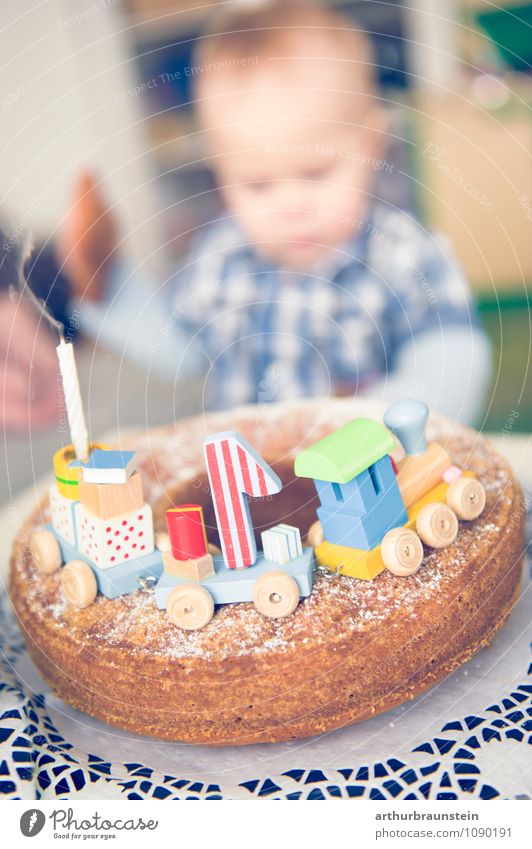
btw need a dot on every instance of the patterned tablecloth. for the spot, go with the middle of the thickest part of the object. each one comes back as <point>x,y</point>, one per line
<point>467,738</point>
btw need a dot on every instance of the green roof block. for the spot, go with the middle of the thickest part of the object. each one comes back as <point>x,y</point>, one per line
<point>342,455</point>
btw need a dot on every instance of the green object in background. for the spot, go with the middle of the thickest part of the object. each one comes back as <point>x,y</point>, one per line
<point>342,455</point>
<point>510,29</point>
<point>508,324</point>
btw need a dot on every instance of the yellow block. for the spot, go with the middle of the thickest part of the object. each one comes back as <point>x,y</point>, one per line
<point>350,561</point>
<point>67,479</point>
<point>366,565</point>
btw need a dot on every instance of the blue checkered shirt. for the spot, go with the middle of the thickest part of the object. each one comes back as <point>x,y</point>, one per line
<point>268,334</point>
<point>258,333</point>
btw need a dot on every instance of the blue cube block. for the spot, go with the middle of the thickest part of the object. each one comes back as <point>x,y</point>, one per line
<point>343,496</point>
<point>362,493</point>
<point>360,512</point>
<point>365,531</point>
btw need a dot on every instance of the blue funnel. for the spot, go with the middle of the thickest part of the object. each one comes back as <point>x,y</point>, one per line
<point>407,420</point>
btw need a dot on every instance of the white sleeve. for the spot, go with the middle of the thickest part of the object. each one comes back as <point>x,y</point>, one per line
<point>449,370</point>
<point>136,320</point>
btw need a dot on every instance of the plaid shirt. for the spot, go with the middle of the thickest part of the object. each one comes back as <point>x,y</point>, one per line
<point>267,334</point>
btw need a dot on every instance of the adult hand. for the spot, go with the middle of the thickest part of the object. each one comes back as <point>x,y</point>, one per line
<point>88,240</point>
<point>29,384</point>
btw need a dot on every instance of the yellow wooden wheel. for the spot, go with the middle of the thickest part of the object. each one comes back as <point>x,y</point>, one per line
<point>402,551</point>
<point>467,497</point>
<point>315,534</point>
<point>79,583</point>
<point>45,552</point>
<point>275,594</point>
<point>437,525</point>
<point>190,606</point>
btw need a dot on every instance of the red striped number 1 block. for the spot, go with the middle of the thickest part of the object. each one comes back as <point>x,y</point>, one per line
<point>236,471</point>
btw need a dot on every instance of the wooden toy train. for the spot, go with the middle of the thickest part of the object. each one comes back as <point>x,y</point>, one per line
<point>102,529</point>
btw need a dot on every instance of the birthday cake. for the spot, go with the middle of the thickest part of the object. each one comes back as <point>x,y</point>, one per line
<point>268,573</point>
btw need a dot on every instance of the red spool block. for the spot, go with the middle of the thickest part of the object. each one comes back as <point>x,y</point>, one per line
<point>186,529</point>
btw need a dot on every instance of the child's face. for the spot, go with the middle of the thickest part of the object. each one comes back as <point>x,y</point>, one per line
<point>295,167</point>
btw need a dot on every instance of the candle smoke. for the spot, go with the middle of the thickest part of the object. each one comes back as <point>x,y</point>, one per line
<point>13,269</point>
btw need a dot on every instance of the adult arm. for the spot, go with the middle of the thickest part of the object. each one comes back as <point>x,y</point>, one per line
<point>140,320</point>
<point>436,347</point>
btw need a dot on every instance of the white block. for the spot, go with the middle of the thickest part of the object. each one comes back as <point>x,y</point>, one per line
<point>282,543</point>
<point>108,466</point>
<point>109,542</point>
<point>294,540</point>
<point>62,512</point>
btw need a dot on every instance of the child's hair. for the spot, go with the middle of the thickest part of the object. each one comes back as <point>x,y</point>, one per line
<point>239,37</point>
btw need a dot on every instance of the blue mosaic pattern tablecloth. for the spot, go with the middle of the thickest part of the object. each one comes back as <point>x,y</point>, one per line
<point>477,748</point>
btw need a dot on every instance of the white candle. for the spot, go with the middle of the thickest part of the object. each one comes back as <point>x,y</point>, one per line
<point>76,418</point>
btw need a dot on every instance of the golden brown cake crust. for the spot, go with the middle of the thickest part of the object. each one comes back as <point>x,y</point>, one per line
<point>352,649</point>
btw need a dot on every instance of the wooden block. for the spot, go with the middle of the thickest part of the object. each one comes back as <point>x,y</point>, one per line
<point>107,466</point>
<point>186,529</point>
<point>353,562</point>
<point>107,500</point>
<point>196,569</point>
<point>108,542</point>
<point>418,473</point>
<point>236,471</point>
<point>282,543</point>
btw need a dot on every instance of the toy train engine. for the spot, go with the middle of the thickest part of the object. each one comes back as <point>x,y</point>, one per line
<point>375,515</point>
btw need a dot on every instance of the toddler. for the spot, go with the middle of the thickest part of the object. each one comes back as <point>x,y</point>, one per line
<point>307,284</point>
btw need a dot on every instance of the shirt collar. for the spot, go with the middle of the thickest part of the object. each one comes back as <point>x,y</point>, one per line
<point>352,250</point>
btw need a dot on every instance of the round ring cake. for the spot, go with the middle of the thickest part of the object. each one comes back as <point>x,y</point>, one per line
<point>353,648</point>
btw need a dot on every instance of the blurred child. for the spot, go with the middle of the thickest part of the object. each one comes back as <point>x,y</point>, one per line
<point>308,284</point>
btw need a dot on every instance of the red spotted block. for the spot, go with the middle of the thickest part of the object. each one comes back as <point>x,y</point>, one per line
<point>109,542</point>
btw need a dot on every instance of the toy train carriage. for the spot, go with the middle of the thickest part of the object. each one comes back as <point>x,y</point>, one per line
<point>374,516</point>
<point>102,529</point>
<point>274,579</point>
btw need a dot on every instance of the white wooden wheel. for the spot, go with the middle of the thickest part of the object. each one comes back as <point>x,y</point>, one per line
<point>467,497</point>
<point>437,525</point>
<point>190,606</point>
<point>45,552</point>
<point>275,594</point>
<point>402,551</point>
<point>79,583</point>
<point>315,534</point>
